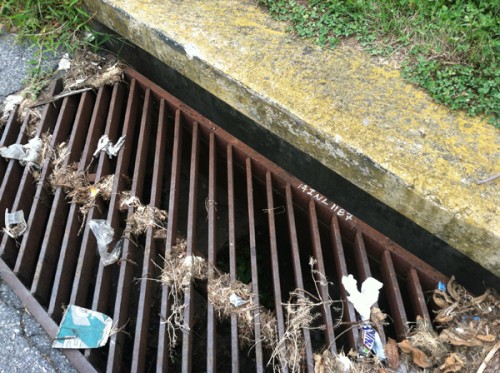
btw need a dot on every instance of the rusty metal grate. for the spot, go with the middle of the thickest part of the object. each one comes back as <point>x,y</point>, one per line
<point>236,208</point>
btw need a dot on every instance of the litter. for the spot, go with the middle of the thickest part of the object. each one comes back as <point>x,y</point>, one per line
<point>107,146</point>
<point>362,302</point>
<point>104,235</point>
<point>10,103</point>
<point>83,328</point>
<point>15,224</point>
<point>64,63</point>
<point>237,301</point>
<point>28,154</point>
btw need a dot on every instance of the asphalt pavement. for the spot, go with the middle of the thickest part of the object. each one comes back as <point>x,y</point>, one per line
<point>25,347</point>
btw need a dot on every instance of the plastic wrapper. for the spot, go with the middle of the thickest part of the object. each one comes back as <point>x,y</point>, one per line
<point>27,154</point>
<point>104,235</point>
<point>83,328</point>
<point>15,224</point>
<point>105,145</point>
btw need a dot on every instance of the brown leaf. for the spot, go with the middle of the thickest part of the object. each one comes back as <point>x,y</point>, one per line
<point>453,338</point>
<point>391,353</point>
<point>486,338</point>
<point>419,357</point>
<point>452,364</point>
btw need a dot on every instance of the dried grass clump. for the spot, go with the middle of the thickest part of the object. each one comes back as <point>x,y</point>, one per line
<point>234,297</point>
<point>143,217</point>
<point>89,70</point>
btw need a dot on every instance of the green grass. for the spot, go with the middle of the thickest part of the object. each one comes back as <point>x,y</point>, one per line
<point>449,47</point>
<point>50,26</point>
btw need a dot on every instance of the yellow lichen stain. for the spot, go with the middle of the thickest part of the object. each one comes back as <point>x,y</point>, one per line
<point>421,158</point>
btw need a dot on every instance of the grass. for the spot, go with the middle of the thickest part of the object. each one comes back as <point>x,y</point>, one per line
<point>50,26</point>
<point>448,47</point>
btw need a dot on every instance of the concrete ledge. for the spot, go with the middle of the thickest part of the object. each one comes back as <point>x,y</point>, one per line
<point>356,117</point>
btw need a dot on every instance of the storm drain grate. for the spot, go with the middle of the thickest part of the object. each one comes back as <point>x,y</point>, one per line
<point>241,212</point>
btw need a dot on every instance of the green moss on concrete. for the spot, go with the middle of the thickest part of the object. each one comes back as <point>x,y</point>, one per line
<point>358,118</point>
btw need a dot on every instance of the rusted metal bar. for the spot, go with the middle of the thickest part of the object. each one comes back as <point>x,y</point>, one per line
<point>187,336</point>
<point>320,278</point>
<point>417,295</point>
<point>349,315</point>
<point>273,248</point>
<point>255,274</point>
<point>32,237</point>
<point>297,269</point>
<point>394,295</point>
<point>212,253</point>
<point>65,269</point>
<point>173,208</point>
<point>235,365</point>
<point>150,250</point>
<point>50,247</point>
<point>121,309</point>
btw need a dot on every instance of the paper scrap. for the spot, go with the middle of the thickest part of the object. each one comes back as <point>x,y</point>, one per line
<point>27,154</point>
<point>362,301</point>
<point>82,328</point>
<point>237,301</point>
<point>104,144</point>
<point>104,235</point>
<point>15,224</point>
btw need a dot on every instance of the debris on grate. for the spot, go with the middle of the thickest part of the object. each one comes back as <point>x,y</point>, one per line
<point>104,233</point>
<point>15,224</point>
<point>82,328</point>
<point>143,217</point>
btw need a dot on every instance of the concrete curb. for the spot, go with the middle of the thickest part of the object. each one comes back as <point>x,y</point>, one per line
<point>354,116</point>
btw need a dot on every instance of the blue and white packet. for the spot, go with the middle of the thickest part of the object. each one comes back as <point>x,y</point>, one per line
<point>82,328</point>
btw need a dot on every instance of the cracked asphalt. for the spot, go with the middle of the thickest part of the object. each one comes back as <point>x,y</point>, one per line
<point>25,347</point>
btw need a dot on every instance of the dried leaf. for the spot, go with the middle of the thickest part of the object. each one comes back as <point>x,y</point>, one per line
<point>453,338</point>
<point>418,356</point>
<point>486,338</point>
<point>452,364</point>
<point>392,353</point>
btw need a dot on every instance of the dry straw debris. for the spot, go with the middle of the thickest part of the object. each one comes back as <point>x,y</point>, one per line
<point>143,216</point>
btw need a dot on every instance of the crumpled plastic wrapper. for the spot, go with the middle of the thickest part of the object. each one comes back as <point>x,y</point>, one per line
<point>104,235</point>
<point>28,154</point>
<point>105,145</point>
<point>15,224</point>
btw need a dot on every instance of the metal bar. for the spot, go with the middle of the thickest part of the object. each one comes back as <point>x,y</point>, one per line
<point>235,359</point>
<point>39,313</point>
<point>417,295</point>
<point>150,250</point>
<point>69,247</point>
<point>173,207</point>
<point>9,135</point>
<point>25,191</point>
<point>273,248</point>
<point>320,278</point>
<point>212,254</point>
<point>12,175</point>
<point>32,237</point>
<point>187,335</point>
<point>50,248</point>
<point>297,270</point>
<point>253,261</point>
<point>394,295</point>
<point>121,309</point>
<point>349,314</point>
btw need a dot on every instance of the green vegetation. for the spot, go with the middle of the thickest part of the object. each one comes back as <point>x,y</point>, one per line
<point>51,26</point>
<point>448,47</point>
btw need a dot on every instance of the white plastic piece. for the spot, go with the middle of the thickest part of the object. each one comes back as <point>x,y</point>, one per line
<point>15,224</point>
<point>104,235</point>
<point>362,301</point>
<point>27,154</point>
<point>64,63</point>
<point>10,103</point>
<point>104,144</point>
<point>237,301</point>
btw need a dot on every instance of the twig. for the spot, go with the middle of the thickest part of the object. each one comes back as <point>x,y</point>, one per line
<point>57,97</point>
<point>488,179</point>
<point>488,357</point>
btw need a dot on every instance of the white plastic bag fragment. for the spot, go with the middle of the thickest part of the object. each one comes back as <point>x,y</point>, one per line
<point>104,233</point>
<point>364,300</point>
<point>105,145</point>
<point>237,301</point>
<point>15,224</point>
<point>10,103</point>
<point>64,63</point>
<point>82,328</point>
<point>28,154</point>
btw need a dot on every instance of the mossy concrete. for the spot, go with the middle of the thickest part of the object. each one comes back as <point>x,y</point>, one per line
<point>354,115</point>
